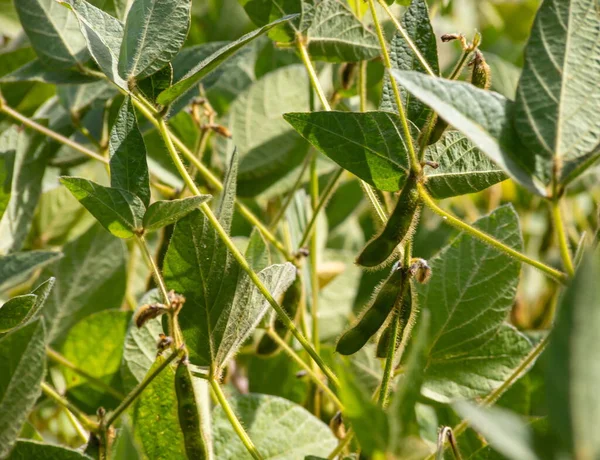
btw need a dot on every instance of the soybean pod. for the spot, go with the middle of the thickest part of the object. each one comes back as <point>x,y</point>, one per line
<point>398,226</point>
<point>405,311</point>
<point>374,317</point>
<point>189,415</point>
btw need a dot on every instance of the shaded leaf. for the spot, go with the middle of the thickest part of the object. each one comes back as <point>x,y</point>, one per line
<point>163,213</point>
<point>27,450</point>
<point>14,311</point>
<point>128,166</point>
<point>119,211</point>
<point>36,71</point>
<point>77,98</point>
<point>368,144</point>
<point>156,83</point>
<point>462,167</point>
<point>17,265</point>
<point>126,446</point>
<point>22,369</point>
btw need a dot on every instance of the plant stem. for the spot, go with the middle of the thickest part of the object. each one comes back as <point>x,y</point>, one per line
<point>414,162</point>
<point>235,423</point>
<point>362,85</point>
<point>389,361</point>
<point>313,375</point>
<point>314,256</point>
<point>407,38</point>
<point>312,75</point>
<point>60,359</point>
<point>132,396</point>
<point>450,219</point>
<point>561,236</point>
<point>341,445</point>
<point>49,133</point>
<point>83,418</point>
<point>214,222</point>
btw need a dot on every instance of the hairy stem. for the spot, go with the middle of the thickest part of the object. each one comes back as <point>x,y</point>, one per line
<point>314,275</point>
<point>235,423</point>
<point>362,85</point>
<point>341,445</point>
<point>312,75</point>
<point>561,236</point>
<point>58,399</point>
<point>389,360</point>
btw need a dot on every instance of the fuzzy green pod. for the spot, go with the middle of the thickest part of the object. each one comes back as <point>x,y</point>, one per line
<point>437,131</point>
<point>398,226</point>
<point>189,416</point>
<point>374,316</point>
<point>481,76</point>
<point>384,340</point>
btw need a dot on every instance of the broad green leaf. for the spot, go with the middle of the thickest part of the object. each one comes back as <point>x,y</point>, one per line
<point>36,71</point>
<point>154,33</point>
<point>269,148</point>
<point>77,98</point>
<point>163,213</point>
<point>209,64</point>
<point>336,35</point>
<point>462,167</point>
<point>103,34</point>
<point>504,430</point>
<point>558,97</point>
<point>31,156</point>
<point>470,295</point>
<point>128,166</point>
<point>287,385</point>
<point>53,33</point>
<point>417,25</point>
<point>571,370</point>
<point>14,311</point>
<point>125,446</point>
<point>81,348</point>
<point>222,304</point>
<point>505,75</point>
<point>262,12</point>
<point>295,434</point>
<point>462,105</point>
<point>27,450</point>
<point>14,267</point>
<point>368,144</point>
<point>154,417</point>
<point>156,83</point>
<point>89,278</point>
<point>22,369</point>
<point>119,211</point>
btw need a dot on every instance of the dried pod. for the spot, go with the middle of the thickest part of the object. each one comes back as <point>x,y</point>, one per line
<point>420,270</point>
<point>164,342</point>
<point>348,73</point>
<point>147,312</point>
<point>481,76</point>
<point>336,425</point>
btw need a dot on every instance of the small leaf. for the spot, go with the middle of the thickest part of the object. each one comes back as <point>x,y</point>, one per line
<point>119,211</point>
<point>462,167</point>
<point>209,64</point>
<point>18,265</point>
<point>462,106</point>
<point>128,166</point>
<point>154,33</point>
<point>27,450</point>
<point>504,430</point>
<point>156,83</point>
<point>13,312</point>
<point>367,144</point>
<point>22,369</point>
<point>558,97</point>
<point>103,34</point>
<point>163,213</point>
<point>297,433</point>
<point>36,71</point>
<point>89,278</point>
<point>53,33</point>
<point>570,371</point>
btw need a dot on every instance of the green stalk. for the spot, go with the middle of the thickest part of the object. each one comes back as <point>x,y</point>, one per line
<point>58,399</point>
<point>389,360</point>
<point>341,445</point>
<point>214,222</point>
<point>561,236</point>
<point>362,85</point>
<point>314,275</point>
<point>450,219</point>
<point>133,395</point>
<point>312,75</point>
<point>235,423</point>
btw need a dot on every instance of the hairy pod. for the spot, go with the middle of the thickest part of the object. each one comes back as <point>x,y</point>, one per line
<point>437,131</point>
<point>481,76</point>
<point>383,344</point>
<point>397,228</point>
<point>147,312</point>
<point>189,416</point>
<point>374,316</point>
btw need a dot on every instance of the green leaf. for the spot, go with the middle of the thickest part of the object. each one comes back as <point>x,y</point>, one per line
<point>558,97</point>
<point>462,167</point>
<point>126,446</point>
<point>36,71</point>
<point>128,166</point>
<point>570,370</point>
<point>89,278</point>
<point>504,430</point>
<point>163,213</point>
<point>222,304</point>
<point>154,33</point>
<point>269,149</point>
<point>119,211</point>
<point>262,12</point>
<point>208,65</point>
<point>287,385</point>
<point>77,98</point>
<point>368,144</point>
<point>103,34</point>
<point>22,369</point>
<point>470,295</point>
<point>53,33</point>
<point>31,156</point>
<point>417,25</point>
<point>335,34</point>
<point>27,450</point>
<point>13,312</point>
<point>18,265</point>
<point>297,432</point>
<point>154,417</point>
<point>156,83</point>
<point>462,105</point>
<point>81,348</point>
